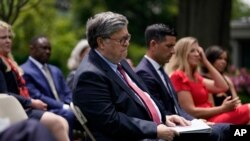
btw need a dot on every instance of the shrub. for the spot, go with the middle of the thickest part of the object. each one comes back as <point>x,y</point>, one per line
<point>241,80</point>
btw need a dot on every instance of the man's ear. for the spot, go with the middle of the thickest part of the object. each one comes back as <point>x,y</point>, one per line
<point>100,42</point>
<point>153,44</point>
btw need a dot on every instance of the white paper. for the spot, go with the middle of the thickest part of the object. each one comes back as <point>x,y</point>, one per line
<point>197,126</point>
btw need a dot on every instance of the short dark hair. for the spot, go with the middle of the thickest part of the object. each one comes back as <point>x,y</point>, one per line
<point>34,40</point>
<point>158,32</point>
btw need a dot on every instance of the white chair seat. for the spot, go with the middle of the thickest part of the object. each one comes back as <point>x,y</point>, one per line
<point>11,109</point>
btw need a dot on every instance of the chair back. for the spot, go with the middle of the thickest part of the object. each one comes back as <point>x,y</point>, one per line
<point>82,119</point>
<point>11,109</point>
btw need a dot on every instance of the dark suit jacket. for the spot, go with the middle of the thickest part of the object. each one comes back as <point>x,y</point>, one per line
<point>157,88</point>
<point>8,85</point>
<point>113,111</point>
<point>220,132</point>
<point>39,87</point>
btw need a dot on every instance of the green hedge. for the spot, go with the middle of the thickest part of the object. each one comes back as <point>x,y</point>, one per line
<point>244,97</point>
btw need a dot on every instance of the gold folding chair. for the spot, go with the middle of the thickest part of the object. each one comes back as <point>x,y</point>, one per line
<point>82,119</point>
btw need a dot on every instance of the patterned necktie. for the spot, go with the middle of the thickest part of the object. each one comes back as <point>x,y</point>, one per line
<point>146,100</point>
<point>51,82</point>
<point>169,88</point>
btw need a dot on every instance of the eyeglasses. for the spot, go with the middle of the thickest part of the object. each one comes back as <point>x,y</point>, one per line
<point>123,40</point>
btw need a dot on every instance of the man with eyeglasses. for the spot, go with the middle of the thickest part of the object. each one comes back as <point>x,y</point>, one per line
<point>123,40</point>
<point>114,100</point>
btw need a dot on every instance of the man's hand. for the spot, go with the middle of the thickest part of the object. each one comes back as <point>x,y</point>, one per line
<point>174,120</point>
<point>166,133</point>
<point>38,104</point>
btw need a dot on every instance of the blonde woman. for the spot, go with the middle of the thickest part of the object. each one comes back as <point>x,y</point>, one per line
<point>14,84</point>
<point>192,89</point>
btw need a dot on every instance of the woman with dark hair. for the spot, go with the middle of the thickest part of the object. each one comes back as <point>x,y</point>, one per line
<point>218,57</point>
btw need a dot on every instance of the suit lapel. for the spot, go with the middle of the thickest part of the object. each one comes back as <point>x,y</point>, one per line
<point>101,64</point>
<point>158,78</point>
<point>171,93</point>
<point>40,74</point>
<point>133,76</point>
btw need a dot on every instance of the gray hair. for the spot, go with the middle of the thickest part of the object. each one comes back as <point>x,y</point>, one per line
<point>103,25</point>
<point>75,59</point>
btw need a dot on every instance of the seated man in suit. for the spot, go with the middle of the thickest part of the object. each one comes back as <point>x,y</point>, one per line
<point>113,98</point>
<point>160,41</point>
<point>46,81</point>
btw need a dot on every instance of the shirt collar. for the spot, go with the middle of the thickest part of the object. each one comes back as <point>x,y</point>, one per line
<point>112,65</point>
<point>153,62</point>
<point>38,64</point>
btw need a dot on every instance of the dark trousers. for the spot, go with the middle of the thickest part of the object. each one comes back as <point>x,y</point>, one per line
<point>220,132</point>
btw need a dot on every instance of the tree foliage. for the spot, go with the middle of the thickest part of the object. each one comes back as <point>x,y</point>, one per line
<point>34,19</point>
<point>239,10</point>
<point>10,9</point>
<point>63,21</point>
<point>140,13</point>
